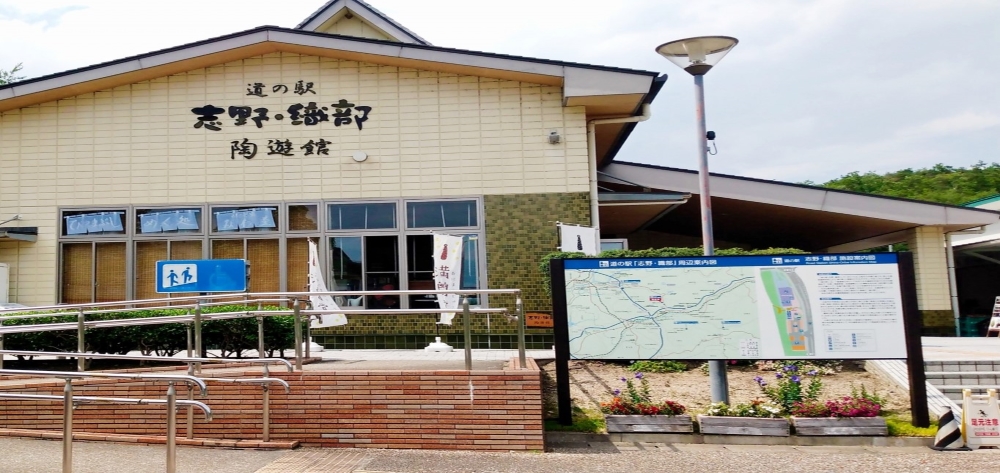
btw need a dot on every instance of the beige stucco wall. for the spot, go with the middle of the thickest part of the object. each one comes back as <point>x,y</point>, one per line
<point>931,267</point>
<point>355,27</point>
<point>429,134</point>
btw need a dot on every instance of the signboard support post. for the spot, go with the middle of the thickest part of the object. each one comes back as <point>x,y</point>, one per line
<point>560,329</point>
<point>912,324</point>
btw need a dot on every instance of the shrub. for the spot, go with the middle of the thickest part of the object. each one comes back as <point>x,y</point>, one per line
<point>667,366</point>
<point>232,337</point>
<point>810,409</point>
<point>638,401</point>
<point>756,408</point>
<point>848,406</point>
<point>788,388</point>
<point>873,396</point>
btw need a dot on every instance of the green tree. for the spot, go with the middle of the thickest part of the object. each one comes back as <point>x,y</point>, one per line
<point>939,183</point>
<point>6,77</point>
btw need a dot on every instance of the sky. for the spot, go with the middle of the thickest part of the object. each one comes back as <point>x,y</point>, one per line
<point>814,90</point>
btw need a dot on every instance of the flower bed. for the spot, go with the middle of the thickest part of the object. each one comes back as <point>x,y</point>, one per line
<point>634,410</point>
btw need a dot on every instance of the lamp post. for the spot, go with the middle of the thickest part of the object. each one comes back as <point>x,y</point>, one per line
<point>697,56</point>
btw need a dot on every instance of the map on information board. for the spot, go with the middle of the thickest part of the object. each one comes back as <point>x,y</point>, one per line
<point>735,307</point>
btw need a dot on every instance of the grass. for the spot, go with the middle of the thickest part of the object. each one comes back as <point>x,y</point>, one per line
<point>584,420</point>
<point>900,426</point>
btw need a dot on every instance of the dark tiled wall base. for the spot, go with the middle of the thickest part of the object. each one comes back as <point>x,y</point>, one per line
<point>520,229</point>
<point>417,342</point>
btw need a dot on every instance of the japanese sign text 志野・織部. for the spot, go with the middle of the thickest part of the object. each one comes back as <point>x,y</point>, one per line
<point>210,117</point>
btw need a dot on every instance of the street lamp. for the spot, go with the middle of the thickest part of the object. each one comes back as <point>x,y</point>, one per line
<point>697,56</point>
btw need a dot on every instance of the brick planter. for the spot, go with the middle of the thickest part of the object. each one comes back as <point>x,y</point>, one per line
<point>680,424</point>
<point>717,425</point>
<point>870,426</point>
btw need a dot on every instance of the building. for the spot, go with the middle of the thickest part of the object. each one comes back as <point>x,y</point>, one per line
<point>351,130</point>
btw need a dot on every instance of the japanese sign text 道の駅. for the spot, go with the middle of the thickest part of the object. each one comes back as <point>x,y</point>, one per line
<point>735,307</point>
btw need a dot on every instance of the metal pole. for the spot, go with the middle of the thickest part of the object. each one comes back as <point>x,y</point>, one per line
<point>467,324</point>
<point>260,337</point>
<point>171,428</point>
<point>266,415</point>
<point>67,456</point>
<point>309,337</point>
<point>197,336</point>
<point>81,362</point>
<point>1,345</point>
<point>298,334</point>
<point>189,345</point>
<point>520,334</point>
<point>716,368</point>
<point>190,408</point>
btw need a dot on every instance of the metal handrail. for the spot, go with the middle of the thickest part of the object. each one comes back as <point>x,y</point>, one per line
<point>265,385</point>
<point>300,295</point>
<point>71,375</point>
<point>294,297</point>
<point>188,360</point>
<point>69,402</point>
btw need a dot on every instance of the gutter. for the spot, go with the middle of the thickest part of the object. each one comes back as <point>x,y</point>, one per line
<point>595,219</point>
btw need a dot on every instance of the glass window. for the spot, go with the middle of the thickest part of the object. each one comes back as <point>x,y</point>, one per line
<point>420,262</point>
<point>303,218</point>
<point>160,221</point>
<point>346,269</point>
<point>244,219</point>
<point>93,222</point>
<point>362,216</point>
<point>616,244</point>
<point>449,213</point>
<point>382,270</point>
<point>77,273</point>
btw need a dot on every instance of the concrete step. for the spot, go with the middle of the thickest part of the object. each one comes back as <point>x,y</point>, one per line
<point>955,392</point>
<point>954,378</point>
<point>960,365</point>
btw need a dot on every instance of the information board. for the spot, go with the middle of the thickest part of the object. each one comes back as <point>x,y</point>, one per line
<point>830,306</point>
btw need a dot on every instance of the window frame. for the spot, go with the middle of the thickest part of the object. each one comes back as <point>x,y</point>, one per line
<point>279,227</point>
<point>207,237</point>
<point>205,222</point>
<point>320,218</point>
<point>126,218</point>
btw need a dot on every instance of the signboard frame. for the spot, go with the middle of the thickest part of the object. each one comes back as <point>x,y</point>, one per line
<point>203,283</point>
<point>912,326</point>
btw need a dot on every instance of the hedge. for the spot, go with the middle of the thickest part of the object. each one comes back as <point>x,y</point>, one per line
<point>669,252</point>
<point>232,337</point>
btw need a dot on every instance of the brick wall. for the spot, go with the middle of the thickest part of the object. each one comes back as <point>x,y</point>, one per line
<point>373,409</point>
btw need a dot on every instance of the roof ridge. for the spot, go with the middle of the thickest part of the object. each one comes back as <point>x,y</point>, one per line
<point>327,35</point>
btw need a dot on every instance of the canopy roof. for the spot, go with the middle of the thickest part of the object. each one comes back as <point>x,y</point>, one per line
<point>764,213</point>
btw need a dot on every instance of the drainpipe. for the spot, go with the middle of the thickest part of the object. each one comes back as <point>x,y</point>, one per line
<point>595,219</point>
<point>952,280</point>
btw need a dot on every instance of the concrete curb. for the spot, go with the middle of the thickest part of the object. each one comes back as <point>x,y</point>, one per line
<point>581,439</point>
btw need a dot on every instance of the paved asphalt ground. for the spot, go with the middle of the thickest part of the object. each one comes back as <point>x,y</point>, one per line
<point>43,456</point>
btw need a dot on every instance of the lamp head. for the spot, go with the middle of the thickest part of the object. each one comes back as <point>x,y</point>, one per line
<point>697,55</point>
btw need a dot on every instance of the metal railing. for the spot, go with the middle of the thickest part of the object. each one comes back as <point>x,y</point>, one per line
<point>265,382</point>
<point>197,303</point>
<point>69,402</point>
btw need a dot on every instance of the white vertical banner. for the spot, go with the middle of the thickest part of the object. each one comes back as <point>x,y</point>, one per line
<point>576,239</point>
<point>447,272</point>
<point>321,302</point>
